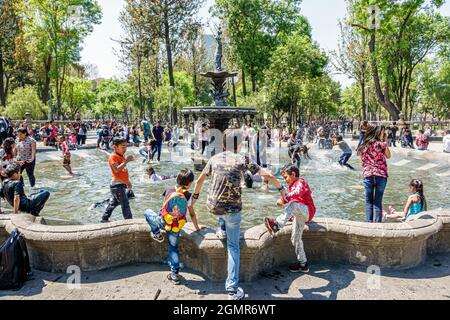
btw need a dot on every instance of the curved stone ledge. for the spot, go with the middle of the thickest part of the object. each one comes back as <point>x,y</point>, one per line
<point>95,247</point>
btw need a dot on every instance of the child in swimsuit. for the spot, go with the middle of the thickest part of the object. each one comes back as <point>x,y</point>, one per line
<point>416,204</point>
<point>66,154</point>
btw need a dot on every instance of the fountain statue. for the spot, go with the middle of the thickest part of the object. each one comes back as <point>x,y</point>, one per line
<point>219,114</point>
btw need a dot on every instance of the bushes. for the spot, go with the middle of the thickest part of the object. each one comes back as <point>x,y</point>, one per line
<point>25,100</point>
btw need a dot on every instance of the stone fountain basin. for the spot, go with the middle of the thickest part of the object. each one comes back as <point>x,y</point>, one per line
<point>95,247</point>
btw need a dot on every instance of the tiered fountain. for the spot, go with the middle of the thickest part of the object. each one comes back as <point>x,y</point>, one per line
<point>219,113</point>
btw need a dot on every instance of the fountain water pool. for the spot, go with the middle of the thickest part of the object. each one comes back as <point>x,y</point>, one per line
<point>337,192</point>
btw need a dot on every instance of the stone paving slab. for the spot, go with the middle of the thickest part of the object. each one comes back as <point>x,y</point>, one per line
<point>431,280</point>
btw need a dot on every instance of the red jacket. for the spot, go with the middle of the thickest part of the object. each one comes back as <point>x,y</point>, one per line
<point>300,192</point>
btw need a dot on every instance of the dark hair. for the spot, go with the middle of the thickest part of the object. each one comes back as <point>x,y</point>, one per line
<point>7,145</point>
<point>339,138</point>
<point>448,131</point>
<point>421,131</point>
<point>11,170</point>
<point>372,134</point>
<point>289,169</point>
<point>236,134</point>
<point>418,185</point>
<point>395,123</point>
<point>117,141</point>
<point>150,170</point>
<point>23,131</point>
<point>185,177</point>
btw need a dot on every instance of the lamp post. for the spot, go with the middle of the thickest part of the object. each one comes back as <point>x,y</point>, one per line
<point>170,104</point>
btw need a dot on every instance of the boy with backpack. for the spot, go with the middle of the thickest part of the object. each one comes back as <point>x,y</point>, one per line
<point>300,205</point>
<point>172,219</point>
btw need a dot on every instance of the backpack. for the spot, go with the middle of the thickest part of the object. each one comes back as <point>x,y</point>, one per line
<point>176,200</point>
<point>14,262</point>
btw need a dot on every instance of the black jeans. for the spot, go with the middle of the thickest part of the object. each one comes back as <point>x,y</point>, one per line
<point>37,202</point>
<point>119,197</point>
<point>157,149</point>
<point>29,168</point>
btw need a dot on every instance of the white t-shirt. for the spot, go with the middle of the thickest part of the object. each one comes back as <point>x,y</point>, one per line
<point>447,143</point>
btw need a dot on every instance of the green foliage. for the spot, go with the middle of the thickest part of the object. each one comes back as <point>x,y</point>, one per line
<point>25,100</point>
<point>182,95</point>
<point>78,96</point>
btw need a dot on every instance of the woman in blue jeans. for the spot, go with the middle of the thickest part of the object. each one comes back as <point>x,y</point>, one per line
<point>373,152</point>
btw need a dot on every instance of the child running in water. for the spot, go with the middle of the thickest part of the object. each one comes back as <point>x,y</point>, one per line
<point>416,203</point>
<point>346,151</point>
<point>66,154</point>
<point>120,180</point>
<point>155,177</point>
<point>172,218</point>
<point>299,205</point>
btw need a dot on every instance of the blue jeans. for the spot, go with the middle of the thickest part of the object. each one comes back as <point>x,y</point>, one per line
<point>374,186</point>
<point>233,227</point>
<point>36,203</point>
<point>146,135</point>
<point>156,223</point>
<point>143,154</point>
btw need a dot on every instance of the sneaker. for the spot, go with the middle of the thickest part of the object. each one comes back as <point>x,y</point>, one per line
<point>271,225</point>
<point>221,234</point>
<point>298,267</point>
<point>105,221</point>
<point>174,278</point>
<point>158,237</point>
<point>238,295</point>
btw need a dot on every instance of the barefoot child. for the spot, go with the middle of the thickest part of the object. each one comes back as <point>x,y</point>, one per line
<point>172,218</point>
<point>346,151</point>
<point>120,180</point>
<point>66,154</point>
<point>416,203</point>
<point>300,205</point>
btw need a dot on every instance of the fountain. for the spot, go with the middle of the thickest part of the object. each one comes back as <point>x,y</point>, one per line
<point>219,113</point>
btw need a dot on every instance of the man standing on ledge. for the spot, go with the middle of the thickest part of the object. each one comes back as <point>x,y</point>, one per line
<point>224,198</point>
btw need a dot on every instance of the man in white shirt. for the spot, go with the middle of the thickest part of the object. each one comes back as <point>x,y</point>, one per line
<point>447,142</point>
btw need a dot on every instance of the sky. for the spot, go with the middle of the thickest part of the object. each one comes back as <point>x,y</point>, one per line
<point>323,16</point>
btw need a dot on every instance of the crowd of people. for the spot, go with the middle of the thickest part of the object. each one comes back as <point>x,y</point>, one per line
<point>228,171</point>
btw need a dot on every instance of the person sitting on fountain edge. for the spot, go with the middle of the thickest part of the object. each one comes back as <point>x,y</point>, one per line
<point>172,218</point>
<point>299,203</point>
<point>14,193</point>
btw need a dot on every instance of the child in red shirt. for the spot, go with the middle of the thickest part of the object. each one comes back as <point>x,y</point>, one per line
<point>299,205</point>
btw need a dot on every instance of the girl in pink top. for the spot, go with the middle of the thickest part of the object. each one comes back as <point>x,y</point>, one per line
<point>373,152</point>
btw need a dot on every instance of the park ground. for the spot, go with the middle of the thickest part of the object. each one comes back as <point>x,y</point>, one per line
<point>430,280</point>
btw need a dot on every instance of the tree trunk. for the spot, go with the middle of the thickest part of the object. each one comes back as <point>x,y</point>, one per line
<point>253,77</point>
<point>141,102</point>
<point>383,98</point>
<point>46,87</point>
<point>244,85</point>
<point>169,55</point>
<point>363,99</point>
<point>2,84</point>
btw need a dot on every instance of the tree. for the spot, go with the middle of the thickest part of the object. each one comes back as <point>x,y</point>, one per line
<point>77,96</point>
<point>294,63</point>
<point>9,32</point>
<point>408,32</point>
<point>25,100</point>
<point>57,27</point>
<point>255,29</point>
<point>353,57</point>
<point>166,21</point>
